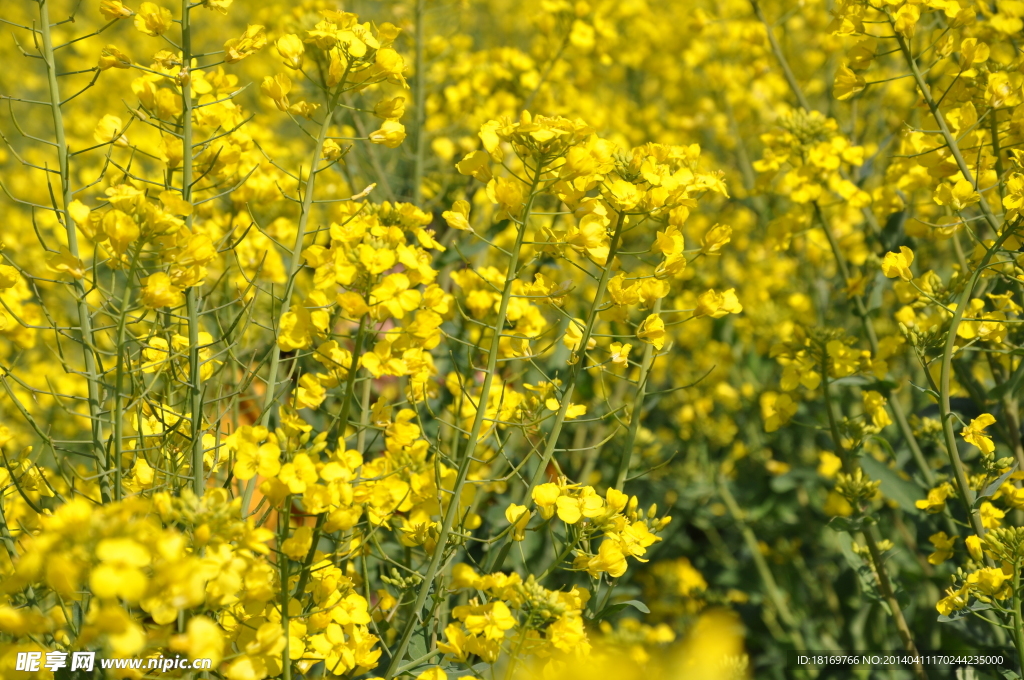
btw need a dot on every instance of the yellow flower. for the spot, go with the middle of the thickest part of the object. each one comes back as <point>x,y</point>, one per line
<point>63,262</point>
<point>111,57</point>
<point>936,500</point>
<point>777,410</point>
<point>620,353</point>
<point>158,291</point>
<point>490,620</point>
<point>114,9</point>
<point>571,509</point>
<point>298,544</point>
<point>847,83</point>
<point>119,573</point>
<point>898,264</point>
<point>609,559</point>
<point>458,216</point>
<point>253,40</point>
<point>432,674</point>
<point>623,195</point>
<point>988,581</point>
<point>874,407</point>
<point>573,411</point>
<point>829,464</point>
<point>957,196</point>
<point>120,230</point>
<point>975,433</point>
<point>715,238</point>
<point>991,516</point>
<point>8,276</point>
<point>974,548</point>
<point>219,5</point>
<point>545,496</point>
<point>391,134</point>
<point>203,639</point>
<point>390,109</point>
<point>290,48</point>
<point>652,331</point>
<point>152,19</point>
<point>943,547</point>
<point>567,634</point>
<point>277,88</point>
<point>477,165</point>
<point>955,600</point>
<point>109,130</point>
<point>519,516</point>
<point>310,393</point>
<point>716,305</point>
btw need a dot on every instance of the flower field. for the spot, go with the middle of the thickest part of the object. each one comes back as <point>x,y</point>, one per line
<point>546,339</point>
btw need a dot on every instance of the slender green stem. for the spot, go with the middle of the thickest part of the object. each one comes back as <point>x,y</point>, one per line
<point>118,412</point>
<point>884,585</point>
<point>293,269</point>
<point>420,97</point>
<point>67,196</point>
<point>308,561</point>
<point>192,304</point>
<point>296,255</point>
<point>890,597</point>
<point>350,382</point>
<point>474,434</point>
<point>496,556</point>
<point>775,594</point>
<point>638,404</point>
<point>1018,621</point>
<point>946,370</point>
<point>940,120</point>
<point>282,533</point>
<point>859,302</point>
<point>783,63</point>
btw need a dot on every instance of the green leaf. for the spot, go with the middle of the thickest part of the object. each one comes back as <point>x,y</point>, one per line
<point>845,524</point>
<point>991,489</point>
<point>619,606</point>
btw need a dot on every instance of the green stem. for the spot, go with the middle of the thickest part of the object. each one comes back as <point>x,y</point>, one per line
<point>638,405</point>
<point>420,97</point>
<point>296,259</point>
<point>966,493</point>
<point>862,310</point>
<point>940,120</point>
<point>884,585</point>
<point>67,196</point>
<point>474,435</point>
<point>890,597</point>
<point>496,556</point>
<point>783,63</point>
<point>1018,621</point>
<point>282,533</point>
<point>764,571</point>
<point>195,386</point>
<point>293,269</point>
<point>308,561</point>
<point>350,382</point>
<point>118,413</point>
